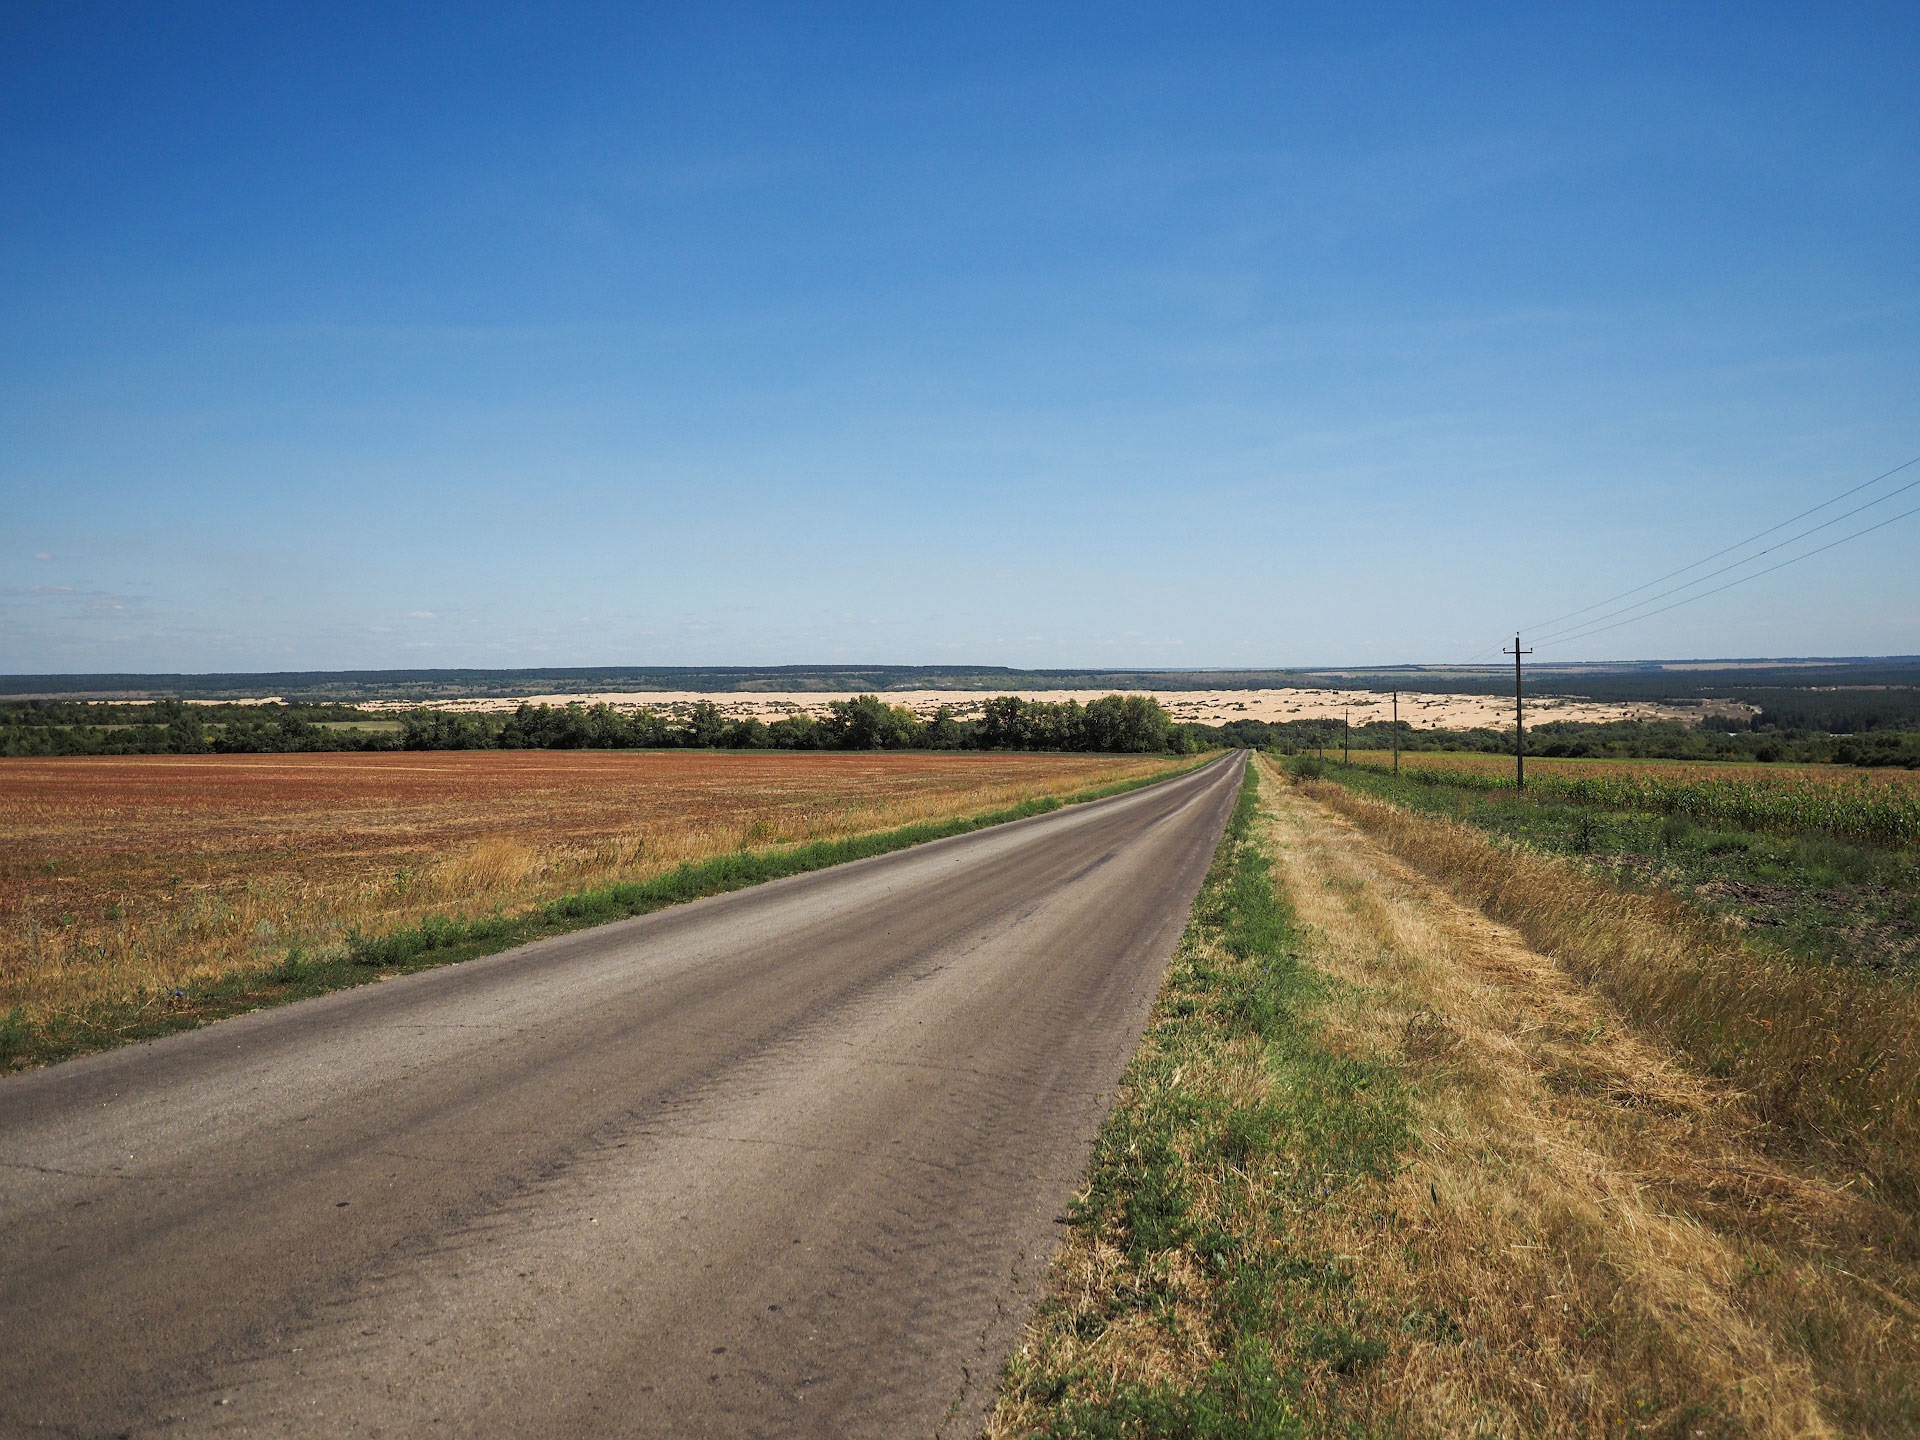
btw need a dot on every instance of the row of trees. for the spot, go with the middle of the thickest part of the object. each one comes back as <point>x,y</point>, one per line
<point>169,727</point>
<point>1114,724</point>
<point>1708,739</point>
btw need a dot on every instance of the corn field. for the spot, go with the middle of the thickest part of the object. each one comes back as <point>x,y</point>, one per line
<point>1840,804</point>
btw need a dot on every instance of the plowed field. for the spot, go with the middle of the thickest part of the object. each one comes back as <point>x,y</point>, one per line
<point>123,876</point>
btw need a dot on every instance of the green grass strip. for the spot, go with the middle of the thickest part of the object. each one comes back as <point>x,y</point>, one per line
<point>1191,1176</point>
<point>443,940</point>
<point>1862,810</point>
<point>1794,893</point>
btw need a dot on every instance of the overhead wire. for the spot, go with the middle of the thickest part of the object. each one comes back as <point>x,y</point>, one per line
<point>1553,635</point>
<point>1593,626</point>
<point>1741,545</point>
<point>1790,560</point>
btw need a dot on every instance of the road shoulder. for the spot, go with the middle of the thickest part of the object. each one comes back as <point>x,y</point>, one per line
<point>1442,1188</point>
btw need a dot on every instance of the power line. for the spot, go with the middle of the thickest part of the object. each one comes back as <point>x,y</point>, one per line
<point>1845,494</point>
<point>1701,580</point>
<point>1593,626</point>
<point>1791,560</point>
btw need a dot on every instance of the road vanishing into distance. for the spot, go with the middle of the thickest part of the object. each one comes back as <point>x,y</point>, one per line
<point>789,1161</point>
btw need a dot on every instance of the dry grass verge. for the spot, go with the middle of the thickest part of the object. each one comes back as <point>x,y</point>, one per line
<point>1198,1294</point>
<point>1831,1060</point>
<point>1381,1167</point>
<point>1623,1257</point>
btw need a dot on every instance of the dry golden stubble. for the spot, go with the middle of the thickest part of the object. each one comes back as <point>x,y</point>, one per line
<point>1595,1215</point>
<point>1830,1058</point>
<point>138,875</point>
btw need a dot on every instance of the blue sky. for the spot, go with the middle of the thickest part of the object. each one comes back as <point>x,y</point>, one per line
<point>338,336</point>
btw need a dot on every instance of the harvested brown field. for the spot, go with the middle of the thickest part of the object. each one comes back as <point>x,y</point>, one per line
<point>129,875</point>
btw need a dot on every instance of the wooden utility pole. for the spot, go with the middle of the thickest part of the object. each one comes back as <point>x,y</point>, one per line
<point>1396,732</point>
<point>1345,724</point>
<point>1519,718</point>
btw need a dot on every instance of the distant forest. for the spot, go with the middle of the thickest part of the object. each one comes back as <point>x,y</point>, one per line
<point>1759,741</point>
<point>1763,683</point>
<point>1117,724</point>
<point>1871,728</point>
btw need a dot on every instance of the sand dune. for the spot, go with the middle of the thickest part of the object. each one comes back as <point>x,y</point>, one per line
<point>1206,707</point>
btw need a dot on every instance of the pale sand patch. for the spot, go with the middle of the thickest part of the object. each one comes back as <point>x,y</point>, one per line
<point>1203,707</point>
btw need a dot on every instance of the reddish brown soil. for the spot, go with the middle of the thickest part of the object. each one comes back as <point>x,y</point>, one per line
<point>150,866</point>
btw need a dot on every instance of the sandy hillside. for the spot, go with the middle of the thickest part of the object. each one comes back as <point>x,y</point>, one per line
<point>1207,707</point>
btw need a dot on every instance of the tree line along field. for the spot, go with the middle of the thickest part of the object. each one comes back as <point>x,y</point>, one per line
<point>1880,730</point>
<point>125,880</point>
<point>1111,724</point>
<point>1872,738</point>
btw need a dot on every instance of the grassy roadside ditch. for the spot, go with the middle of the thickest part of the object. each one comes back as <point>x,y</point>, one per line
<point>1379,1168</point>
<point>440,940</point>
<point>1204,1291</point>
<point>1843,902</point>
<point>1626,1246</point>
<point>1827,1054</point>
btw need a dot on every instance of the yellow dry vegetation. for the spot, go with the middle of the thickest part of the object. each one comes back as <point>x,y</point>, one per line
<point>1620,1251</point>
<point>128,877</point>
<point>1829,1058</point>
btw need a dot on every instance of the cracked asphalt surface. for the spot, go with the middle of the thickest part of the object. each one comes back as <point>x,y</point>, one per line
<point>783,1162</point>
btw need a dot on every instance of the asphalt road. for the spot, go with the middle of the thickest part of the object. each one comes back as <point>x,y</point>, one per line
<point>784,1162</point>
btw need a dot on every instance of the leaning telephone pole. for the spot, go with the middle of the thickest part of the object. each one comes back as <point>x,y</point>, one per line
<point>1519,719</point>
